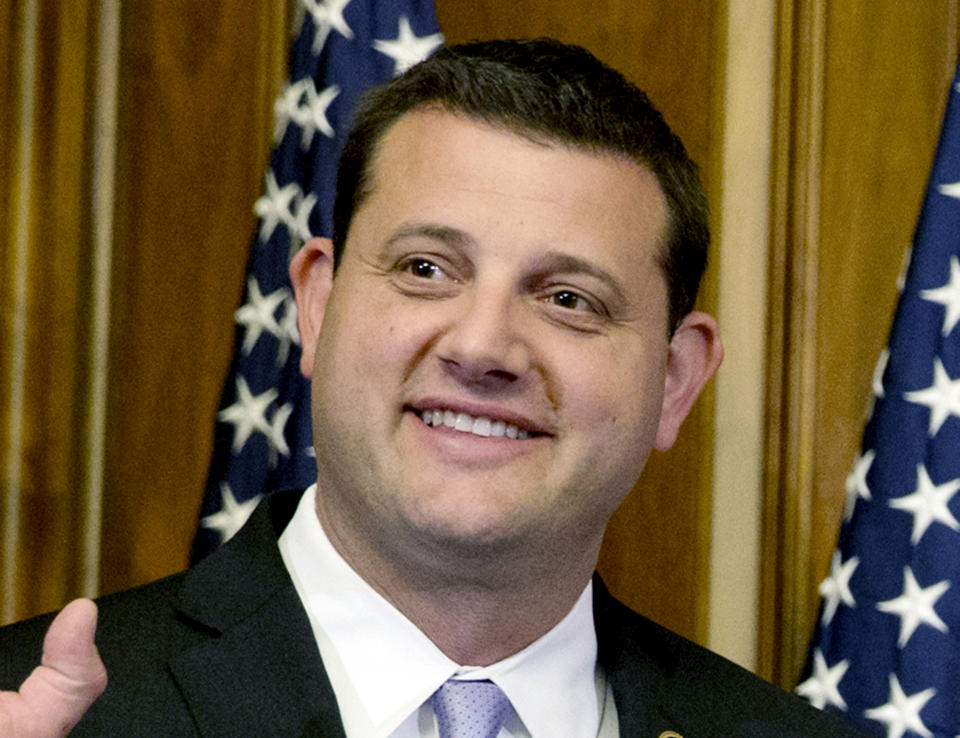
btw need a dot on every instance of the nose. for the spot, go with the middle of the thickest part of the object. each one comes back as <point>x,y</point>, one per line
<point>484,346</point>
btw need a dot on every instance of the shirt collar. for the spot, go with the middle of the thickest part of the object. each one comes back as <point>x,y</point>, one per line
<point>382,667</point>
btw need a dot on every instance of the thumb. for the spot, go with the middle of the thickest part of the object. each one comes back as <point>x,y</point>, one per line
<point>71,675</point>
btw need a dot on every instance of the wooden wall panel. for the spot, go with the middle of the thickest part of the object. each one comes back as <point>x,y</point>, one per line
<point>45,251</point>
<point>9,110</point>
<point>861,93</point>
<point>197,83</point>
<point>655,556</point>
<point>53,458</point>
<point>9,115</point>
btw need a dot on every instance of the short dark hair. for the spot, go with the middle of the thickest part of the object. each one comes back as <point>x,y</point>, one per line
<point>550,91</point>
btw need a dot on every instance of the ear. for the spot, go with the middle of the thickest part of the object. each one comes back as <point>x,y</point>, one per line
<point>311,272</point>
<point>694,355</point>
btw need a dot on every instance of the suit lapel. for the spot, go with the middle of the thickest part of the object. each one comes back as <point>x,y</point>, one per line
<point>636,668</point>
<point>259,671</point>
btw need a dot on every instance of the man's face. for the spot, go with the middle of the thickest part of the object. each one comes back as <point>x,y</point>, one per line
<point>493,356</point>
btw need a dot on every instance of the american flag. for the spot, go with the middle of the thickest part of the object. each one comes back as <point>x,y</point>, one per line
<point>887,648</point>
<point>263,439</point>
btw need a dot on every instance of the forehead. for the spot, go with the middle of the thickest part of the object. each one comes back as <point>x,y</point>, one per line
<point>438,167</point>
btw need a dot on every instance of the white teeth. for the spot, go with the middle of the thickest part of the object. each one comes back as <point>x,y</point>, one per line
<point>465,423</point>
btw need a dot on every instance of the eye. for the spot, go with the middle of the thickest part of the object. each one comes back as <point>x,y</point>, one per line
<point>423,276</point>
<point>423,268</point>
<point>570,300</point>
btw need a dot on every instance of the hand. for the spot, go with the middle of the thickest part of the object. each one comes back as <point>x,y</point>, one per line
<point>59,691</point>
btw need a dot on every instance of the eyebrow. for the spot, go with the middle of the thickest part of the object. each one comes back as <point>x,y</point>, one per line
<point>446,234</point>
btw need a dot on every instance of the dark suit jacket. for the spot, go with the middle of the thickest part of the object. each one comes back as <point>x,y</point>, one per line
<point>226,649</point>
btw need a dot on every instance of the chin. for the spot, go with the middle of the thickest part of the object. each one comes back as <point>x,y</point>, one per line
<point>462,529</point>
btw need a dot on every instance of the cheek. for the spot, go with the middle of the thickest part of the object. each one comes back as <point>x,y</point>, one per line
<point>348,360</point>
<point>617,397</point>
<point>369,358</point>
<point>354,329</point>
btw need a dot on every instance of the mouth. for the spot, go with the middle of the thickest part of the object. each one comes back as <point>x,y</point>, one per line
<point>478,425</point>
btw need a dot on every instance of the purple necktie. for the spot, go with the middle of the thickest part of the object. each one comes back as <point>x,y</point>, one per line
<point>470,709</point>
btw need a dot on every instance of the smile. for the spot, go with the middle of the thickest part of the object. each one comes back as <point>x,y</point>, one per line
<point>465,423</point>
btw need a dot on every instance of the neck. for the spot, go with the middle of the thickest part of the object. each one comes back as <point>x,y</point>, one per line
<point>477,625</point>
<point>478,604</point>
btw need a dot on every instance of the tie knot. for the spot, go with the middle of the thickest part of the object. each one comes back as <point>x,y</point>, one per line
<point>470,709</point>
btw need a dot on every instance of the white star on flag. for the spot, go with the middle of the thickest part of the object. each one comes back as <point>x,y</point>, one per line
<point>951,189</point>
<point>298,227</point>
<point>258,313</point>
<point>301,219</point>
<point>300,224</point>
<point>274,207</point>
<point>407,48</point>
<point>942,397</point>
<point>949,296</point>
<point>915,606</point>
<point>312,116</point>
<point>822,688</point>
<point>857,481</point>
<point>836,587</point>
<point>229,519</point>
<point>274,433</point>
<point>289,333</point>
<point>928,504</point>
<point>286,108</point>
<point>327,16</point>
<point>248,413</point>
<point>902,713</point>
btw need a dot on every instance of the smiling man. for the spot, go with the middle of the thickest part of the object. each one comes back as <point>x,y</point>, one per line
<point>493,369</point>
<point>498,334</point>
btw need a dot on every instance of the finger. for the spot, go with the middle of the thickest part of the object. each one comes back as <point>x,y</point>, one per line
<point>71,676</point>
<point>69,648</point>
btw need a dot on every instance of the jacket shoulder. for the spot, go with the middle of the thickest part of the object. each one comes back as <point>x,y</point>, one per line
<point>136,632</point>
<point>191,652</point>
<point>696,691</point>
<point>21,644</point>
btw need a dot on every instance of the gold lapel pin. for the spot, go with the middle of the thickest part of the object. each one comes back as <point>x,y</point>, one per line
<point>670,734</point>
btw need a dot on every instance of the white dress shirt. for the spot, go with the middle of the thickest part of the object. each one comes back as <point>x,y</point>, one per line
<point>383,669</point>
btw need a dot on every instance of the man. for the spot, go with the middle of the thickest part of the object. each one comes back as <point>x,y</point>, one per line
<point>498,334</point>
